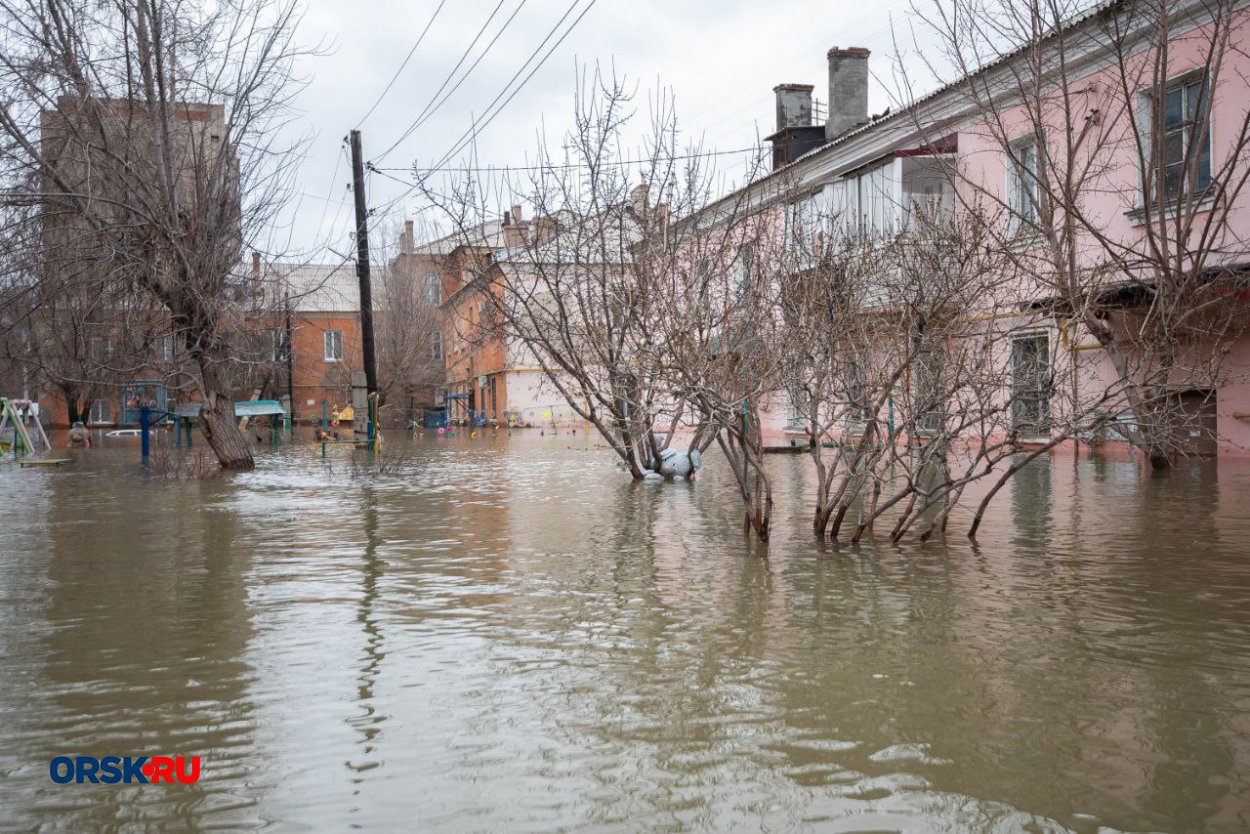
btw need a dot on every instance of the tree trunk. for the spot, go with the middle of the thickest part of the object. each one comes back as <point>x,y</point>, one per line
<point>72,409</point>
<point>218,422</point>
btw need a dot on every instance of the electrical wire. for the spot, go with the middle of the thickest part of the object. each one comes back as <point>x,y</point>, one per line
<point>474,128</point>
<point>407,58</point>
<point>432,106</point>
<point>479,124</point>
<point>555,166</point>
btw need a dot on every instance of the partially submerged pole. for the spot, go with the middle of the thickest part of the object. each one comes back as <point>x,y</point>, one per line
<point>362,271</point>
<point>145,432</point>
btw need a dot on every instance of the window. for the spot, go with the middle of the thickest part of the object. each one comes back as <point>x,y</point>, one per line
<point>927,204</point>
<point>278,340</point>
<point>1030,384</point>
<point>795,418</point>
<point>99,348</point>
<point>101,412</point>
<point>1022,190</point>
<point>1183,158</point>
<point>872,194</point>
<point>743,266</point>
<point>333,345</point>
<point>436,345</point>
<point>433,289</point>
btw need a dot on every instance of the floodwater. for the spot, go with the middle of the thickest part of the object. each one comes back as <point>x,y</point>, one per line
<point>509,635</point>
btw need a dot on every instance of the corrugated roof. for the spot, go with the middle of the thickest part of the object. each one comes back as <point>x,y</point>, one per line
<point>489,234</point>
<point>314,288</point>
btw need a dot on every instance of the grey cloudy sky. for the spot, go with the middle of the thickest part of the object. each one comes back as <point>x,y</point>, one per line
<point>720,59</point>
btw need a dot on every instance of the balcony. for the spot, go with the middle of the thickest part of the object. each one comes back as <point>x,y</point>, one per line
<point>873,204</point>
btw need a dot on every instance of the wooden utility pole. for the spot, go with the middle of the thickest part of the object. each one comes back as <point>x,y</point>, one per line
<point>362,271</point>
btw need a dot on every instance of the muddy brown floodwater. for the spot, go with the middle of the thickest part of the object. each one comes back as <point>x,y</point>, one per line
<point>509,635</point>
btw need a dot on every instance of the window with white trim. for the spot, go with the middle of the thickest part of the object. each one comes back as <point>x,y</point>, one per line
<point>743,266</point>
<point>333,340</point>
<point>101,412</point>
<point>433,289</point>
<point>1182,120</point>
<point>1022,185</point>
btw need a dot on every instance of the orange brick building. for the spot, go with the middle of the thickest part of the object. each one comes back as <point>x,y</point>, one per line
<point>322,303</point>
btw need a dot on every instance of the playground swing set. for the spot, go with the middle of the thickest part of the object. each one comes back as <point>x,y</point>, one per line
<point>22,436</point>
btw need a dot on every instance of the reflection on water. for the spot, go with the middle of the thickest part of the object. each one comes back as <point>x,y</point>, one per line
<point>509,635</point>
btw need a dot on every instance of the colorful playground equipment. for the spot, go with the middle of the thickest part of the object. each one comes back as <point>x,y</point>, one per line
<point>324,436</point>
<point>184,415</point>
<point>21,433</point>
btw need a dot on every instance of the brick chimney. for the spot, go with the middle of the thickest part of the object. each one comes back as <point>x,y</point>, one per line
<point>796,135</point>
<point>639,197</point>
<point>406,243</point>
<point>513,228</point>
<point>543,228</point>
<point>848,90</point>
<point>794,105</point>
<point>255,288</point>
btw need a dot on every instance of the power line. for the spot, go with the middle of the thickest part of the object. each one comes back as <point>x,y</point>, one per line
<point>559,166</point>
<point>432,106</point>
<point>474,127</point>
<point>407,58</point>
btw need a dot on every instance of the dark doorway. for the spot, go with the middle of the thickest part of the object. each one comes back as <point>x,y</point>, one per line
<point>1194,433</point>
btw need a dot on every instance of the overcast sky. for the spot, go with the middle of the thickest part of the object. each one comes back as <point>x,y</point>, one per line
<point>721,60</point>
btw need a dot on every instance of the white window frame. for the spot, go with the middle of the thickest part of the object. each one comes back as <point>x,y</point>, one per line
<point>432,289</point>
<point>1144,120</point>
<point>743,266</point>
<point>795,418</point>
<point>333,352</point>
<point>100,412</point>
<point>1023,190</point>
<point>278,344</point>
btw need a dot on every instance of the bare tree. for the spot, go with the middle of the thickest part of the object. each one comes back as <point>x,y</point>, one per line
<point>409,336</point>
<point>725,344</point>
<point>151,125</point>
<point>1118,194</point>
<point>579,290</point>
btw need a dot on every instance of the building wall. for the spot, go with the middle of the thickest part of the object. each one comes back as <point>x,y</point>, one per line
<point>474,354</point>
<point>314,377</point>
<point>1112,201</point>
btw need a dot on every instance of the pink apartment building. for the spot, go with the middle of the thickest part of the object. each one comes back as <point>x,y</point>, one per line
<point>1140,141</point>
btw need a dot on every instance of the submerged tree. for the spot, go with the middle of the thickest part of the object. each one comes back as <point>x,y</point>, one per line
<point>1119,199</point>
<point>580,289</point>
<point>150,126</point>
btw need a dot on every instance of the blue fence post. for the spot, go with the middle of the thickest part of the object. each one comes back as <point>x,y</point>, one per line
<point>145,431</point>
